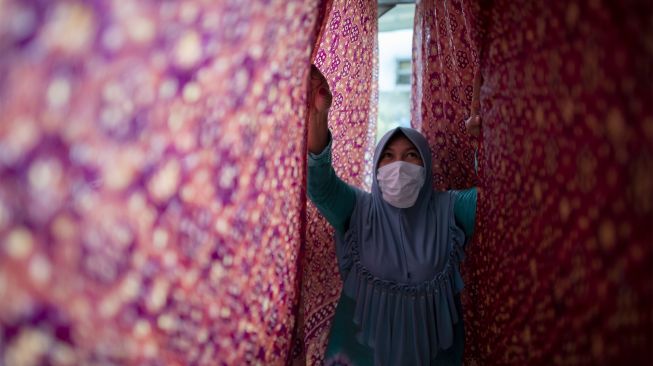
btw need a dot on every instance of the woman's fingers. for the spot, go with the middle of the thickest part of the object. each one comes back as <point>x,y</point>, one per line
<point>473,125</point>
<point>315,73</point>
<point>322,99</point>
<point>320,95</point>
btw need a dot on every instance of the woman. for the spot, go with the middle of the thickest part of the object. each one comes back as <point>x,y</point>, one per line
<point>398,249</point>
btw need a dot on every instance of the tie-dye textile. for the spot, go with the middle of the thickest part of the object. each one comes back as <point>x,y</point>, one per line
<point>560,271</point>
<point>151,162</point>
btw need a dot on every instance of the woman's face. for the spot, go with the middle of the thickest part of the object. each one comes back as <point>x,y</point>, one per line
<point>399,148</point>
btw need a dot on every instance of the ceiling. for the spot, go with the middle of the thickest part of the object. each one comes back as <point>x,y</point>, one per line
<point>385,5</point>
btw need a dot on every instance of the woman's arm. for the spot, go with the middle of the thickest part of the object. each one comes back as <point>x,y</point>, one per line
<point>333,197</point>
<point>465,210</point>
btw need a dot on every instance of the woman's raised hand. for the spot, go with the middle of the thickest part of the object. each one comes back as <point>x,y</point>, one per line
<point>319,102</point>
<point>319,95</point>
<point>473,123</point>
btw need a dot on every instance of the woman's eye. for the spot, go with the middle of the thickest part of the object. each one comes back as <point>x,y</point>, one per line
<point>387,155</point>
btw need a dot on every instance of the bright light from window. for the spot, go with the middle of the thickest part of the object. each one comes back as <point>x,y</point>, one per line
<point>395,68</point>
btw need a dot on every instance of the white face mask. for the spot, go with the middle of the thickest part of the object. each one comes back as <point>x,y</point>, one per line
<point>400,183</point>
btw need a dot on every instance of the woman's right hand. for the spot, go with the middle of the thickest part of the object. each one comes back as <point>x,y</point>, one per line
<point>319,102</point>
<point>319,94</point>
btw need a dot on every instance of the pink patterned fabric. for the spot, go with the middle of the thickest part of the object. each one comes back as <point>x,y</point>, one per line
<point>445,49</point>
<point>560,271</point>
<point>151,163</point>
<point>347,56</point>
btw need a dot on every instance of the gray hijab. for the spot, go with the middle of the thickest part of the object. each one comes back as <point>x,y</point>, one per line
<point>401,268</point>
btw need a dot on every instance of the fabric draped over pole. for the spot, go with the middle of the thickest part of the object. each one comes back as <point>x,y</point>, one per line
<point>560,269</point>
<point>346,55</point>
<point>151,193</point>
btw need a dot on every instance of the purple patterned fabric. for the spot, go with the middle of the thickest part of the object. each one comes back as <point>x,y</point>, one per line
<point>151,164</point>
<point>347,56</point>
<point>446,59</point>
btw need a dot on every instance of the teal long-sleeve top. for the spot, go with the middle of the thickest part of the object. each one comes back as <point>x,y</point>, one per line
<point>335,199</point>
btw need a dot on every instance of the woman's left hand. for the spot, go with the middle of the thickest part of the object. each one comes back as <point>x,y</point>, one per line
<point>473,125</point>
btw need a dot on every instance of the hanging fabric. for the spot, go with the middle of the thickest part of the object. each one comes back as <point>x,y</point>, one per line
<point>560,269</point>
<point>347,56</point>
<point>446,44</point>
<point>151,194</point>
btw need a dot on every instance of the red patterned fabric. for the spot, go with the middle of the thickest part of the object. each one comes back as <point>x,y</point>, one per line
<point>347,56</point>
<point>151,172</point>
<point>445,49</point>
<point>560,271</point>
<point>151,195</point>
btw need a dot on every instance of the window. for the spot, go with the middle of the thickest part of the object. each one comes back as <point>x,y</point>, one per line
<point>403,71</point>
<point>395,68</point>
